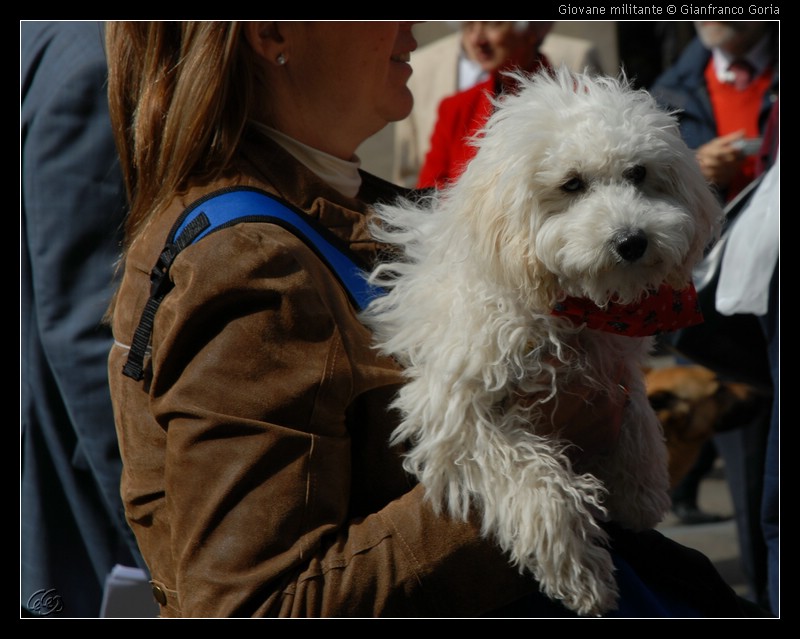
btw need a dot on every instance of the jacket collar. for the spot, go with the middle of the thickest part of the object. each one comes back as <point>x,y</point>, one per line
<point>267,165</point>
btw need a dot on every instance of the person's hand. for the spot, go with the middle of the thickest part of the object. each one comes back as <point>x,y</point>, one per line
<point>720,159</point>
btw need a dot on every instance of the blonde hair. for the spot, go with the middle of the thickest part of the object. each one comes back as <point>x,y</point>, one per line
<point>180,94</point>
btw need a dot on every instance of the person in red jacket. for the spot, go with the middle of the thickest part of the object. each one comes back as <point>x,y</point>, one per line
<point>498,47</point>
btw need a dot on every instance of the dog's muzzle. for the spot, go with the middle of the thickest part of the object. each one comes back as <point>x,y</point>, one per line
<point>630,245</point>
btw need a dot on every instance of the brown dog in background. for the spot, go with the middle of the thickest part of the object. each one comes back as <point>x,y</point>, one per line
<point>693,404</point>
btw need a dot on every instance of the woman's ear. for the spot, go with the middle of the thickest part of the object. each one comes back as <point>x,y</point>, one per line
<point>266,39</point>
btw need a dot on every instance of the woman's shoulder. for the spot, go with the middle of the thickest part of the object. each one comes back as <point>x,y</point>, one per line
<point>240,228</point>
<point>217,257</point>
<point>151,239</point>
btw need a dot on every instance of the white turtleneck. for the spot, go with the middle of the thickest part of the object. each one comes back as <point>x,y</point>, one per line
<point>342,175</point>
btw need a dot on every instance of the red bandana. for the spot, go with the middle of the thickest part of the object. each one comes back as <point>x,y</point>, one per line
<point>661,311</point>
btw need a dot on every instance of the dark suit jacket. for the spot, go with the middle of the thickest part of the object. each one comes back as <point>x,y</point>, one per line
<point>73,529</point>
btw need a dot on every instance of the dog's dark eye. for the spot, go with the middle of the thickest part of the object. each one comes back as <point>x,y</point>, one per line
<point>573,185</point>
<point>635,174</point>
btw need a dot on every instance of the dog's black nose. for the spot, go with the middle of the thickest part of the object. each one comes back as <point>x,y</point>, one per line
<point>630,245</point>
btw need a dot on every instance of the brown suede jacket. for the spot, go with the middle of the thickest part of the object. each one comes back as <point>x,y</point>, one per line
<point>258,478</point>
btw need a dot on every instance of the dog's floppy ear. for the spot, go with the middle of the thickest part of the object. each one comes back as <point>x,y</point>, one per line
<point>495,213</point>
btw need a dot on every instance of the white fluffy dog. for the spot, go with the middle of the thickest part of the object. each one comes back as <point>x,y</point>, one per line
<point>581,188</point>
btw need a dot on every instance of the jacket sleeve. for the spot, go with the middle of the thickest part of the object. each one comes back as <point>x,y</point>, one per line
<point>252,387</point>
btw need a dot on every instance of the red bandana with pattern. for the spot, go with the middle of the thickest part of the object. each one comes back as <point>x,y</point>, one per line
<point>662,311</point>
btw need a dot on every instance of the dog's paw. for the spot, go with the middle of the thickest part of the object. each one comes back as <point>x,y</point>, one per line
<point>578,570</point>
<point>595,601</point>
<point>590,590</point>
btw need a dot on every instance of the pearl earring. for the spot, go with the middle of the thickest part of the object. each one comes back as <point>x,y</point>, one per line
<point>281,59</point>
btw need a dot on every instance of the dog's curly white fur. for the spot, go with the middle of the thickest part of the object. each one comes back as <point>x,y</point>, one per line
<point>567,171</point>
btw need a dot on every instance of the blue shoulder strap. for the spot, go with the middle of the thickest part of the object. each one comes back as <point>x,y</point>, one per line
<point>225,208</point>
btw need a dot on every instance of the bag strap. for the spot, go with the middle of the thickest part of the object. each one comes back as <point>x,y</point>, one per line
<point>222,209</point>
